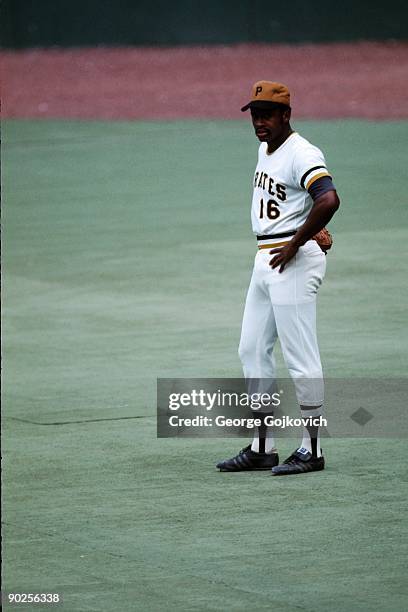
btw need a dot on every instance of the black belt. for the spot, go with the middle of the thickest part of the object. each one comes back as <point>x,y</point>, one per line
<point>282,235</point>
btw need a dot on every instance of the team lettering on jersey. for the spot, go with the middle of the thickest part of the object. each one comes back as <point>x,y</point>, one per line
<point>280,199</point>
<point>269,209</point>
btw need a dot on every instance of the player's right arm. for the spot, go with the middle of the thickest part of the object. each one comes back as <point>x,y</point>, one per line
<point>311,174</point>
<point>323,209</point>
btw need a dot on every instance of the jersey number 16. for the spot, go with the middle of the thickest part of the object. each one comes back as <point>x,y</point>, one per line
<point>271,210</point>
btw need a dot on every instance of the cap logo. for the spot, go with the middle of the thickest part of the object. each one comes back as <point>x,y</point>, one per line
<point>268,94</point>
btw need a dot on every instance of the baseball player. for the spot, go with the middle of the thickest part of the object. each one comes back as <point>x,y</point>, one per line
<point>293,199</point>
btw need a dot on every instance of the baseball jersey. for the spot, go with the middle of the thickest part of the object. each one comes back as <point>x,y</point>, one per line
<point>281,202</point>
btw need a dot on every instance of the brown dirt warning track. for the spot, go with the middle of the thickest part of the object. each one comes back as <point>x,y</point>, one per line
<point>365,80</point>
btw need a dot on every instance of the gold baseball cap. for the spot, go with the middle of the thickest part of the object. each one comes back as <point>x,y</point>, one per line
<point>267,94</point>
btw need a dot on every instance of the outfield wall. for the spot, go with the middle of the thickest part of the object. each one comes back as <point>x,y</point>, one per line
<point>29,23</point>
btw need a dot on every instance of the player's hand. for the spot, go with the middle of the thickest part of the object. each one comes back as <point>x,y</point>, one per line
<point>283,255</point>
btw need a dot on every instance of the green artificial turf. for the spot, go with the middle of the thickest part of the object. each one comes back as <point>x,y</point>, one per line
<point>127,253</point>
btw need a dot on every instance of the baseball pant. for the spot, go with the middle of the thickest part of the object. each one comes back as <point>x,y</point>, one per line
<point>283,305</point>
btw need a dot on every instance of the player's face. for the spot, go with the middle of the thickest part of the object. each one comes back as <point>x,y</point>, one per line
<point>269,124</point>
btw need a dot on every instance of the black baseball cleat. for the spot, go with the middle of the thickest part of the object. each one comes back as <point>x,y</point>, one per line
<point>300,462</point>
<point>247,459</point>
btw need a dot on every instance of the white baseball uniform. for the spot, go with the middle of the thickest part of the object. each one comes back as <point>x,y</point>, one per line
<point>284,304</point>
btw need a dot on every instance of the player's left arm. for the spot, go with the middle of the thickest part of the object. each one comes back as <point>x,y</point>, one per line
<point>325,204</point>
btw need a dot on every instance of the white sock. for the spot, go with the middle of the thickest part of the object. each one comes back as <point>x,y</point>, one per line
<point>264,441</point>
<point>311,433</point>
